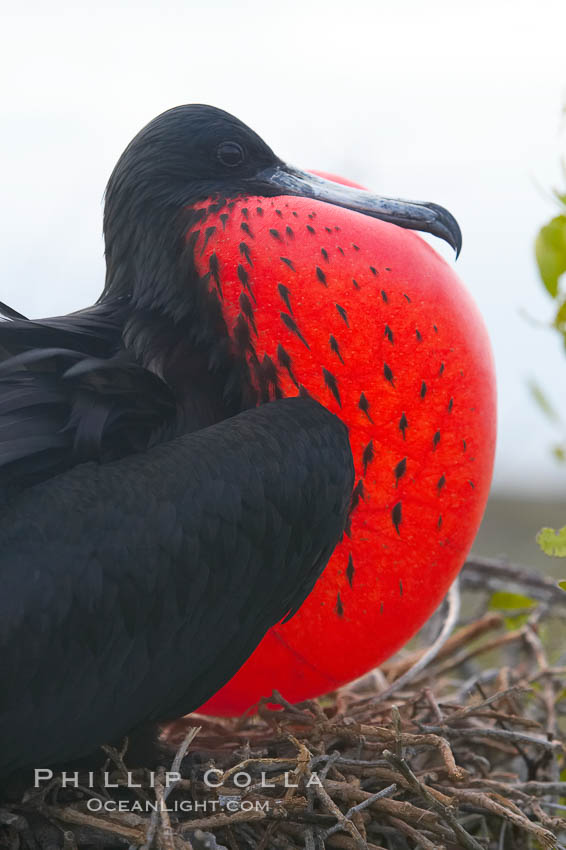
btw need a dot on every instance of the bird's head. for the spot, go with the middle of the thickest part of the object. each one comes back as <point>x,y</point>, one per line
<point>186,154</point>
<point>197,152</point>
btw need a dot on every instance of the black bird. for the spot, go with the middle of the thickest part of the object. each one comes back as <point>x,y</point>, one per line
<point>154,522</point>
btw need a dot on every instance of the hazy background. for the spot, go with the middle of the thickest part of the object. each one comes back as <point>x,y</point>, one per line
<point>459,104</point>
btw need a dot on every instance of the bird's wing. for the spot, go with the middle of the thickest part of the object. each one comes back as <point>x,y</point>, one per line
<point>95,331</point>
<point>105,382</point>
<point>70,392</point>
<point>133,590</point>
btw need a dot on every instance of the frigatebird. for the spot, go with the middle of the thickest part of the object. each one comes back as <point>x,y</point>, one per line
<point>158,516</point>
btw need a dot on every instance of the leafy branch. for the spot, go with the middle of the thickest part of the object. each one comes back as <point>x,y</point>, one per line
<point>550,252</point>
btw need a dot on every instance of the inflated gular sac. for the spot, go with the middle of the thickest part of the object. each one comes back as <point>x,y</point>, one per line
<point>366,318</point>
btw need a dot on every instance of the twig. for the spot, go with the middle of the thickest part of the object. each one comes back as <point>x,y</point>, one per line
<point>446,813</point>
<point>489,574</point>
<point>343,821</point>
<point>450,621</point>
<point>386,792</point>
<point>496,734</point>
<point>465,636</point>
<point>485,703</point>
<point>485,802</point>
<point>160,814</point>
<point>415,834</point>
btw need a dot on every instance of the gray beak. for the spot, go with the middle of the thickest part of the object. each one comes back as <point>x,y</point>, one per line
<point>415,215</point>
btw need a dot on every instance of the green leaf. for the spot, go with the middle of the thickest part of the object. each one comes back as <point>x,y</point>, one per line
<point>514,604</point>
<point>502,600</point>
<point>562,584</point>
<point>553,542</point>
<point>550,249</point>
<point>517,621</point>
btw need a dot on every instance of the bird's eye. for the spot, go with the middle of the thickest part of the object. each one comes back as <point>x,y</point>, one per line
<point>230,153</point>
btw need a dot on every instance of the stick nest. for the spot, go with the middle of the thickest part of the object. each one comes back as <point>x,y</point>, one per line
<point>461,746</point>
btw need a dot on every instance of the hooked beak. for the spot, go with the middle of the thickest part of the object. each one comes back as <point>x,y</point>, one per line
<point>415,215</point>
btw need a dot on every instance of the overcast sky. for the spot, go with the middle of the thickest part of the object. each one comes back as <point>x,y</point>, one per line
<point>431,101</point>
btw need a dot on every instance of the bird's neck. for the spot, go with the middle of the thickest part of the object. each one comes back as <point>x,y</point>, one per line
<point>175,327</point>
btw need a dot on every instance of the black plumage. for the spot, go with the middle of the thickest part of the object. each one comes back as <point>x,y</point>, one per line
<point>132,590</point>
